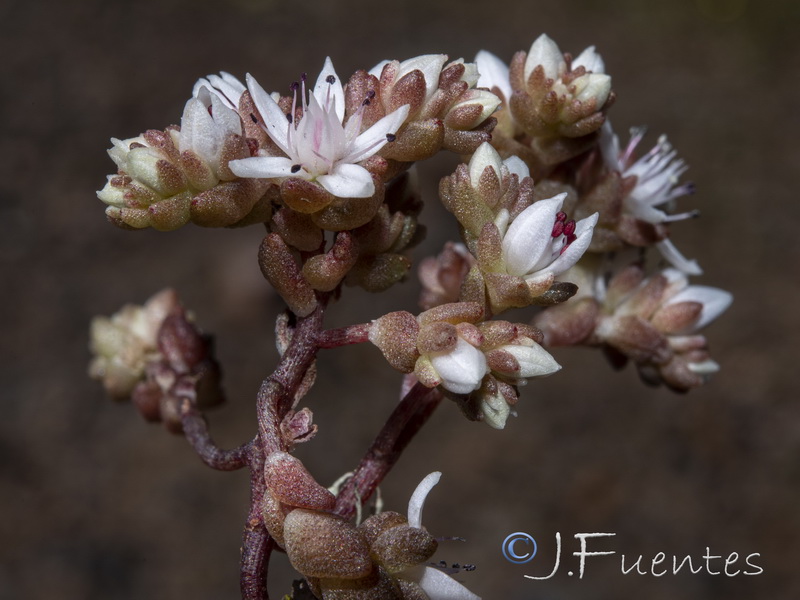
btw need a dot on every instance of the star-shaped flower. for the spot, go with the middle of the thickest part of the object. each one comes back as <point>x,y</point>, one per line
<point>319,146</point>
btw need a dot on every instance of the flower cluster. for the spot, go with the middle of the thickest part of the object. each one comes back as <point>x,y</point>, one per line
<point>154,355</point>
<point>549,207</point>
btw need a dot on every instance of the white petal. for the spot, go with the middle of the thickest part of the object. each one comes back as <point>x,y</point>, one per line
<point>225,118</point>
<point>707,367</point>
<point>530,234</point>
<point>590,60</point>
<point>378,69</point>
<point>593,86</point>
<point>326,93</point>
<point>609,147</point>
<point>348,181</point>
<point>494,73</point>
<point>517,167</point>
<point>274,117</point>
<point>545,52</point>
<point>417,501</point>
<point>374,138</point>
<point>461,369</point>
<point>440,586</point>
<point>264,167</point>
<point>583,237</point>
<point>495,410</point>
<point>678,260</point>
<point>485,156</point>
<point>534,361</point>
<point>714,300</point>
<point>431,67</point>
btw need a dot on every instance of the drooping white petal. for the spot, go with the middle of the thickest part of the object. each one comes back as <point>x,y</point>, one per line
<point>530,234</point>
<point>609,147</point>
<point>534,361</point>
<point>417,501</point>
<point>517,166</point>
<point>544,51</point>
<point>461,369</point>
<point>265,167</point>
<point>494,73</point>
<point>676,259</point>
<point>714,300</point>
<point>485,156</point>
<point>374,138</point>
<point>590,60</point>
<point>707,367</point>
<point>348,181</point>
<point>440,586</point>
<point>274,118</point>
<point>327,92</point>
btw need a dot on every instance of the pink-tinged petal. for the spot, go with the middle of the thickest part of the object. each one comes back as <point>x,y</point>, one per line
<point>529,235</point>
<point>348,181</point>
<point>678,260</point>
<point>714,300</point>
<point>374,138</point>
<point>265,167</point>
<point>440,586</point>
<point>327,92</point>
<point>417,501</point>
<point>494,73</point>
<point>277,125</point>
<point>544,51</point>
<point>583,237</point>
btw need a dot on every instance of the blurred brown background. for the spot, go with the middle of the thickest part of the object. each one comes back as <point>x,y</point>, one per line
<point>94,503</point>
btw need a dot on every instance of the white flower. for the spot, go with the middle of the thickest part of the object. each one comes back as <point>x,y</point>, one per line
<point>657,174</point>
<point>225,86</point>
<point>534,361</point>
<point>486,156</point>
<point>494,74</point>
<point>460,369</point>
<point>545,52</point>
<point>541,243</point>
<point>319,147</point>
<point>714,301</point>
<point>594,85</point>
<point>430,65</point>
<point>435,583</point>
<point>205,124</point>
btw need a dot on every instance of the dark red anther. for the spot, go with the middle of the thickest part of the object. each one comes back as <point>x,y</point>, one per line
<point>253,118</point>
<point>558,229</point>
<point>330,79</point>
<point>295,86</point>
<point>569,229</point>
<point>390,137</point>
<point>295,168</point>
<point>561,216</point>
<point>209,110</point>
<point>289,117</point>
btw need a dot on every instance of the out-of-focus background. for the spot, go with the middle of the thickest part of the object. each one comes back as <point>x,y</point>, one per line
<point>96,504</point>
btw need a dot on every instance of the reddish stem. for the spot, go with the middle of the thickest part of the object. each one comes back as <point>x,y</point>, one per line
<point>353,334</point>
<point>196,430</point>
<point>406,420</point>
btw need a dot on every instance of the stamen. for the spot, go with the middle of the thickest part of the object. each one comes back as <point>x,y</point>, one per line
<point>561,216</point>
<point>330,79</point>
<point>558,228</point>
<point>390,137</point>
<point>303,77</point>
<point>569,228</point>
<point>296,168</point>
<point>289,117</point>
<point>295,86</point>
<point>692,214</point>
<point>253,118</point>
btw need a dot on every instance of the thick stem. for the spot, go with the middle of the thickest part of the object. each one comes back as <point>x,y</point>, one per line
<point>196,430</point>
<point>353,334</point>
<point>411,414</point>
